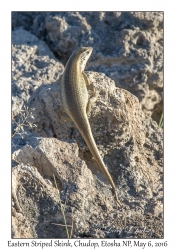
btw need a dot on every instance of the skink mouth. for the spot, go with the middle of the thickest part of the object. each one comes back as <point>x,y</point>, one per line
<point>83,52</point>
<point>86,49</point>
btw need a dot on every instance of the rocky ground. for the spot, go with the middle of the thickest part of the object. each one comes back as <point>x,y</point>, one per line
<point>128,47</point>
<point>126,67</point>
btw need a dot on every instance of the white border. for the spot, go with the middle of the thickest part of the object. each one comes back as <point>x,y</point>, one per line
<point>5,96</point>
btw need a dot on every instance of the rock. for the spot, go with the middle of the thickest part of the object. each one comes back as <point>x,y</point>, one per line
<point>39,202</point>
<point>129,142</point>
<point>33,64</point>
<point>22,19</point>
<point>128,47</point>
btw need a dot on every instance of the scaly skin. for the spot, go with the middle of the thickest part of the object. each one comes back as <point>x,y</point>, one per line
<point>74,99</point>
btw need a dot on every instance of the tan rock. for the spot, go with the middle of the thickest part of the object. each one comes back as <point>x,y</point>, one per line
<point>131,146</point>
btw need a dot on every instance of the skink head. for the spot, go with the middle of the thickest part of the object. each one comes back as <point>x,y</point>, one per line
<point>83,55</point>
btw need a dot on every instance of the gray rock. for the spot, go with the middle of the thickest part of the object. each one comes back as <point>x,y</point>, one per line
<point>129,142</point>
<point>22,19</point>
<point>33,64</point>
<point>128,47</point>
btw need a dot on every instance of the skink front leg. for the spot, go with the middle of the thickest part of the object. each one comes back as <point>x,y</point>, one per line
<point>92,100</point>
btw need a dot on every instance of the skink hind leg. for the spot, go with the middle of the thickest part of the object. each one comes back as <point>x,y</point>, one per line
<point>64,117</point>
